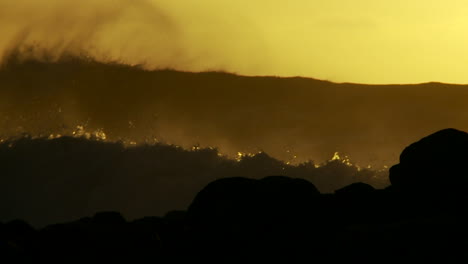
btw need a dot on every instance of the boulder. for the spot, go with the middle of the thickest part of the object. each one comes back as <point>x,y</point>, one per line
<point>437,163</point>
<point>275,216</point>
<point>242,200</point>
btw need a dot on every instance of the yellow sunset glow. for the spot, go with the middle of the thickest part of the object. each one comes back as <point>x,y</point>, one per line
<point>340,40</point>
<point>363,41</point>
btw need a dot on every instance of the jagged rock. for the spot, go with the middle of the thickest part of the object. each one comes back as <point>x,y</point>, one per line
<point>358,188</point>
<point>112,218</point>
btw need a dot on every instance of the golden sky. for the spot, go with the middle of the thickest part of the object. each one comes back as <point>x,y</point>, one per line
<point>366,41</point>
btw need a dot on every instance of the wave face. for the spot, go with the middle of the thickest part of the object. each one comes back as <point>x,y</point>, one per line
<point>292,119</point>
<point>153,33</point>
<point>54,180</point>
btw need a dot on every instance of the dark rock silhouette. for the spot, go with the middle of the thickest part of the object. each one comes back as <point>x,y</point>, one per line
<point>358,188</point>
<point>249,200</point>
<point>248,216</point>
<point>282,219</point>
<point>107,236</point>
<point>17,241</point>
<point>108,218</point>
<point>436,164</point>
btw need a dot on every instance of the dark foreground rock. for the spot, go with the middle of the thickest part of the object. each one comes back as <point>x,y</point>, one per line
<point>421,217</point>
<point>437,163</point>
